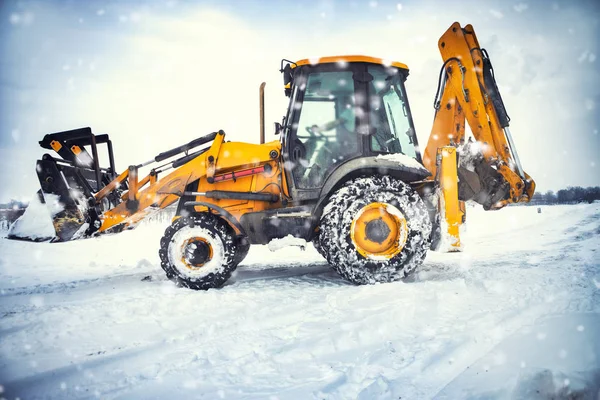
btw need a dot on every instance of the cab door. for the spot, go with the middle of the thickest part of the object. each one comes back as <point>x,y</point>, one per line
<point>324,124</point>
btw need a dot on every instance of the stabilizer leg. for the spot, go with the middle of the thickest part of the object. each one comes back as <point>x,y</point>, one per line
<point>451,209</point>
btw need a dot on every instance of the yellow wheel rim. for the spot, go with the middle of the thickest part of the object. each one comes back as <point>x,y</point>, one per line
<point>379,231</point>
<point>196,252</point>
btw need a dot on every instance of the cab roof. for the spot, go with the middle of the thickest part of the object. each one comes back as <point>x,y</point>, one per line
<point>350,59</point>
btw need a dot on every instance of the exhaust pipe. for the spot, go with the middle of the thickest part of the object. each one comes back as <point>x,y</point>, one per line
<point>261,107</point>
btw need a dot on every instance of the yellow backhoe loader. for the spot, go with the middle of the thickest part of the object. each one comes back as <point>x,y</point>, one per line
<point>347,173</point>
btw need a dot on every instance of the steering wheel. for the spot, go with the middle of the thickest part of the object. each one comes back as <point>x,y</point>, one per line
<point>316,130</point>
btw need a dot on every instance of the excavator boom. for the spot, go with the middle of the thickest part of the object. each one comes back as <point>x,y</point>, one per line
<point>489,171</point>
<point>485,168</point>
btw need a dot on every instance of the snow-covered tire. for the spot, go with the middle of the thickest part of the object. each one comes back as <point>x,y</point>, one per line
<point>198,251</point>
<point>317,244</point>
<point>436,233</point>
<point>241,250</point>
<point>408,244</point>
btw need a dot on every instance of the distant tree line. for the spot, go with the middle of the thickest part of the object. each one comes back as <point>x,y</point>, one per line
<point>570,195</point>
<point>9,212</point>
<point>13,205</point>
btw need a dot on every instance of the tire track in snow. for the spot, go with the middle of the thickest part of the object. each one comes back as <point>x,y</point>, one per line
<point>299,335</point>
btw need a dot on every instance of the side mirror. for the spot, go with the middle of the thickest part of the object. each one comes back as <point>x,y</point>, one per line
<point>278,128</point>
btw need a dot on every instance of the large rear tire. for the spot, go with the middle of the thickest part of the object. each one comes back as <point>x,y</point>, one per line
<point>374,229</point>
<point>198,251</point>
<point>317,245</point>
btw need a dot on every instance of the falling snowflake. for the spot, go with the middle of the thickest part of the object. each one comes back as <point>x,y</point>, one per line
<point>541,336</point>
<point>520,7</point>
<point>590,104</point>
<point>16,135</point>
<point>496,14</point>
<point>562,353</point>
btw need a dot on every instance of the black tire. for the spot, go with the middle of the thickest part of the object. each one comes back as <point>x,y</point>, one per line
<point>317,244</point>
<point>189,234</point>
<point>436,233</point>
<point>347,203</point>
<point>241,250</point>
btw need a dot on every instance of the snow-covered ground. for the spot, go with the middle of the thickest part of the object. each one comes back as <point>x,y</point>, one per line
<point>516,315</point>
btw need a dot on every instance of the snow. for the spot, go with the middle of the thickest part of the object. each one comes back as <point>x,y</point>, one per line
<point>552,356</point>
<point>289,240</point>
<point>401,159</point>
<point>36,221</point>
<point>516,315</point>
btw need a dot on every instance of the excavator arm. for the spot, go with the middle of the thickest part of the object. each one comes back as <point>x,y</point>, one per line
<point>487,169</point>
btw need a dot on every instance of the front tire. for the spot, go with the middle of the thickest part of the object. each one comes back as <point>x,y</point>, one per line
<point>375,229</point>
<point>241,250</point>
<point>198,251</point>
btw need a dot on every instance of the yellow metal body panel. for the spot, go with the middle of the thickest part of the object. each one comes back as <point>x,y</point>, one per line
<point>349,59</point>
<point>153,194</point>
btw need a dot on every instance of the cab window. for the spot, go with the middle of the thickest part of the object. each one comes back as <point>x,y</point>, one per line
<point>326,129</point>
<point>391,131</point>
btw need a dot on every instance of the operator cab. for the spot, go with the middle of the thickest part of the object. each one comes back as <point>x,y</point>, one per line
<point>342,108</point>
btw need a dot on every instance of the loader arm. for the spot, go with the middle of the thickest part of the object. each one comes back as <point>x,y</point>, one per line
<point>86,200</point>
<point>487,170</point>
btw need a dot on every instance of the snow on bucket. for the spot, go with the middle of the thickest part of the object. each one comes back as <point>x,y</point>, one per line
<point>35,224</point>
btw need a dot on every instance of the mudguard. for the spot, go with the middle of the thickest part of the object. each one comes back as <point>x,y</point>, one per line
<point>399,166</point>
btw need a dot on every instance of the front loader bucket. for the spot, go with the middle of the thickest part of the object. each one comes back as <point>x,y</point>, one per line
<point>68,185</point>
<point>63,194</point>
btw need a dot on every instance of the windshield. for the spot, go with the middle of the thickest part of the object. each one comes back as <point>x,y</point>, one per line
<point>326,133</point>
<point>391,127</point>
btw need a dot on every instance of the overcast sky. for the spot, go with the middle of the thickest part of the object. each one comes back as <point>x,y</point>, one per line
<point>156,74</point>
